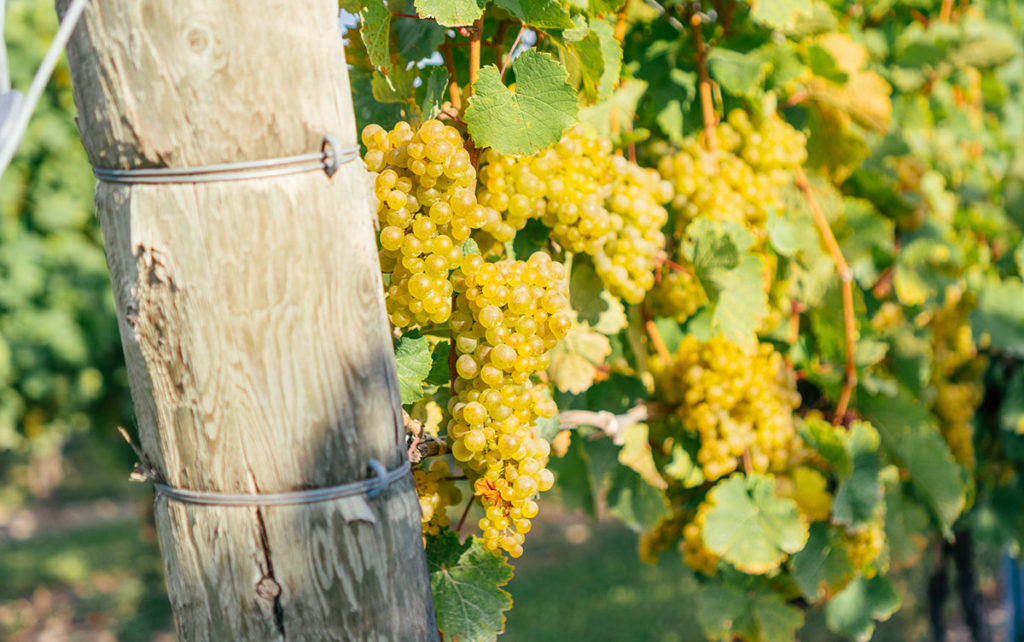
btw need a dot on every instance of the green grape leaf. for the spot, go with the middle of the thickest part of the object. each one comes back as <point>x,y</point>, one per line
<point>532,238</point>
<point>413,364</point>
<point>1011,412</point>
<point>466,581</point>
<point>533,116</point>
<point>542,14</point>
<point>751,528</point>
<point>741,302</point>
<point>823,566</point>
<point>451,13</point>
<point>827,441</point>
<point>617,394</point>
<point>906,528</point>
<point>417,39</point>
<point>440,374</point>
<point>911,438</point>
<point>740,74</point>
<point>436,91</point>
<point>683,466</point>
<point>924,267</point>
<point>860,492</point>
<point>600,58</point>
<point>755,614</point>
<point>998,321</point>
<point>780,14</point>
<point>593,304</point>
<point>623,101</point>
<point>397,87</point>
<point>575,359</point>
<point>604,7</point>
<point>352,6</point>
<point>574,479</point>
<point>670,121</point>
<point>853,612</point>
<point>578,31</point>
<point>633,501</point>
<point>636,454</point>
<point>375,18</point>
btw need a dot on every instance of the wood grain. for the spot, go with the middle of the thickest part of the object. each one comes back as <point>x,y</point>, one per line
<point>252,317</point>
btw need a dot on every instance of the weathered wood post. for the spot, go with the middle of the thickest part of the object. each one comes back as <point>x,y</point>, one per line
<point>252,317</point>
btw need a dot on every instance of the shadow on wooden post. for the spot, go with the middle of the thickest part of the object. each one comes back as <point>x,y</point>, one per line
<point>252,317</point>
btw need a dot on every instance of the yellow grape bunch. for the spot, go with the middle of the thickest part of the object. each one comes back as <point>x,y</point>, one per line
<point>677,293</point>
<point>741,183</point>
<point>436,492</point>
<point>425,186</point>
<point>508,317</point>
<point>593,201</point>
<point>740,404</point>
<point>957,371</point>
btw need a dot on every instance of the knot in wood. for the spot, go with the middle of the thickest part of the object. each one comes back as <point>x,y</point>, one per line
<point>268,588</point>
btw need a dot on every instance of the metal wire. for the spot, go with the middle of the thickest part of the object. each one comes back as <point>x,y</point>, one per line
<point>328,159</point>
<point>371,487</point>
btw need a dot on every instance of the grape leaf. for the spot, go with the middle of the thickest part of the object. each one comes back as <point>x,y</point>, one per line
<point>434,96</point>
<point>906,528</point>
<point>466,580</point>
<point>623,101</point>
<point>755,614</point>
<point>911,438</point>
<point>591,301</point>
<point>636,454</point>
<point>823,566</point>
<point>1011,412</point>
<point>732,278</point>
<point>375,18</point>
<point>542,14</point>
<point>574,479</point>
<point>604,7</point>
<point>740,74</point>
<point>633,501</point>
<point>924,267</point>
<point>440,373</point>
<point>397,87</point>
<point>575,359</point>
<point>417,39</point>
<point>780,14</point>
<point>859,492</point>
<point>998,321</point>
<point>751,528</point>
<point>413,364</point>
<point>451,13</point>
<point>600,58</point>
<point>533,116</point>
<point>853,611</point>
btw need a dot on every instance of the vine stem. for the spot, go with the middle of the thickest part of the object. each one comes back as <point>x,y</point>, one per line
<point>453,83</point>
<point>707,107</point>
<point>656,340</point>
<point>846,277</point>
<point>476,32</point>
<point>620,23</point>
<point>511,52</point>
<point>946,12</point>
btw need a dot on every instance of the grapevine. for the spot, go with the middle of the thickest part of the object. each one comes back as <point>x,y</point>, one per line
<point>743,238</point>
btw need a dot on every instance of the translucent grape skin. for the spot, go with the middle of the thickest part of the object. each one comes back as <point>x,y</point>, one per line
<point>508,316</point>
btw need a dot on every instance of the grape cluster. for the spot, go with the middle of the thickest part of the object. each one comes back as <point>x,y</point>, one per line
<point>865,546</point>
<point>426,204</point>
<point>594,202</point>
<point>436,493</point>
<point>627,259</point>
<point>740,184</point>
<point>740,404</point>
<point>677,294</point>
<point>695,554</point>
<point>957,371</point>
<point>508,316</point>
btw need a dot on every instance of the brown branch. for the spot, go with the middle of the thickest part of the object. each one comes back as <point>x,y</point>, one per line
<point>620,23</point>
<point>475,34</point>
<point>657,342</point>
<point>846,277</point>
<point>511,51</point>
<point>453,83</point>
<point>946,12</point>
<point>462,519</point>
<point>707,107</point>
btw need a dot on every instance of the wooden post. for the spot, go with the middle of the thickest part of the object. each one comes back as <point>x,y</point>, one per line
<point>252,317</point>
